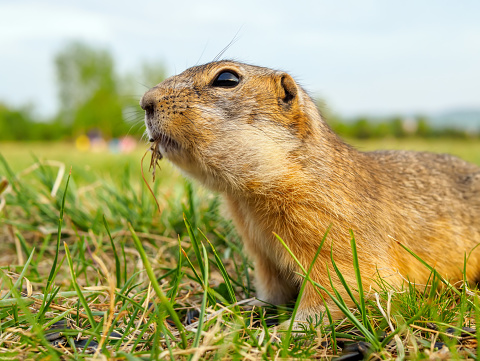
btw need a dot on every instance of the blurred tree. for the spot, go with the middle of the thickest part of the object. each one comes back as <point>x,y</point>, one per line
<point>382,130</point>
<point>89,90</point>
<point>15,124</point>
<point>362,128</point>
<point>21,124</point>
<point>423,128</point>
<point>397,128</point>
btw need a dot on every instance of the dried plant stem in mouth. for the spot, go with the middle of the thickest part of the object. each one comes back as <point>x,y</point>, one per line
<point>154,163</point>
<point>156,156</point>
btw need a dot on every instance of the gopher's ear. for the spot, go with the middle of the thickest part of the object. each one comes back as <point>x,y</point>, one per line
<point>287,88</point>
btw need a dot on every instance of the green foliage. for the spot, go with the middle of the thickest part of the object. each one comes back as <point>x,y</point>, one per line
<point>82,71</point>
<point>89,91</point>
<point>14,123</point>
<point>364,128</point>
<point>18,123</point>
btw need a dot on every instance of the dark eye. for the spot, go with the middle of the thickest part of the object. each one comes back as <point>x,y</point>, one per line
<point>226,79</point>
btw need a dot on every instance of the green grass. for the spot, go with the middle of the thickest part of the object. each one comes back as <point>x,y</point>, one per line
<point>21,154</point>
<point>94,268</point>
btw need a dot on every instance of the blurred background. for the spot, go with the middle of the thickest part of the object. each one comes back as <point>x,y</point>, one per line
<point>385,74</point>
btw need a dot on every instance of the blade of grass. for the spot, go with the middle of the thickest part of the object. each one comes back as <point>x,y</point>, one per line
<point>286,343</point>
<point>358,276</point>
<point>12,301</point>
<point>342,279</point>
<point>222,269</point>
<point>56,319</point>
<point>203,307</point>
<point>246,267</point>
<point>191,202</point>
<point>19,281</point>
<point>195,245</point>
<point>117,261</point>
<point>178,275</point>
<point>335,291</point>
<point>51,276</point>
<point>192,267</point>
<point>332,328</point>
<point>27,250</point>
<point>211,295</point>
<point>80,295</point>
<point>47,304</point>
<point>163,299</point>
<point>45,300</point>
<point>46,242</point>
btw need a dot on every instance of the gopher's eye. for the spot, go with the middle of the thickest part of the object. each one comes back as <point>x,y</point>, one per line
<point>226,79</point>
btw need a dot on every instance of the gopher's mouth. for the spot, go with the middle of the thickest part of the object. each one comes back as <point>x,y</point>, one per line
<point>163,144</point>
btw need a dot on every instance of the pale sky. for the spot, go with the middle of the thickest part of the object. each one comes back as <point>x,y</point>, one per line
<point>361,57</point>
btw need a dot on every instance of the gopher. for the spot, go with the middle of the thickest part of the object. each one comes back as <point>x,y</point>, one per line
<point>255,136</point>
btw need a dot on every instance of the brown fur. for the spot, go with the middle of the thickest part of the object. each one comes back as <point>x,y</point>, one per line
<point>280,168</point>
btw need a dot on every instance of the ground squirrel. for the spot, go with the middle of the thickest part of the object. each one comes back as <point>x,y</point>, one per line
<point>254,135</point>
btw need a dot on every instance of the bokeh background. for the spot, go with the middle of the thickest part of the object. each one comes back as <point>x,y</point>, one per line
<point>386,74</point>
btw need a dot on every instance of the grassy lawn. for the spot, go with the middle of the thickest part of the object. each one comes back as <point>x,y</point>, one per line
<point>98,270</point>
<point>21,155</point>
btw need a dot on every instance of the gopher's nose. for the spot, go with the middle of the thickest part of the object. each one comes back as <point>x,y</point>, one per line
<point>148,101</point>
